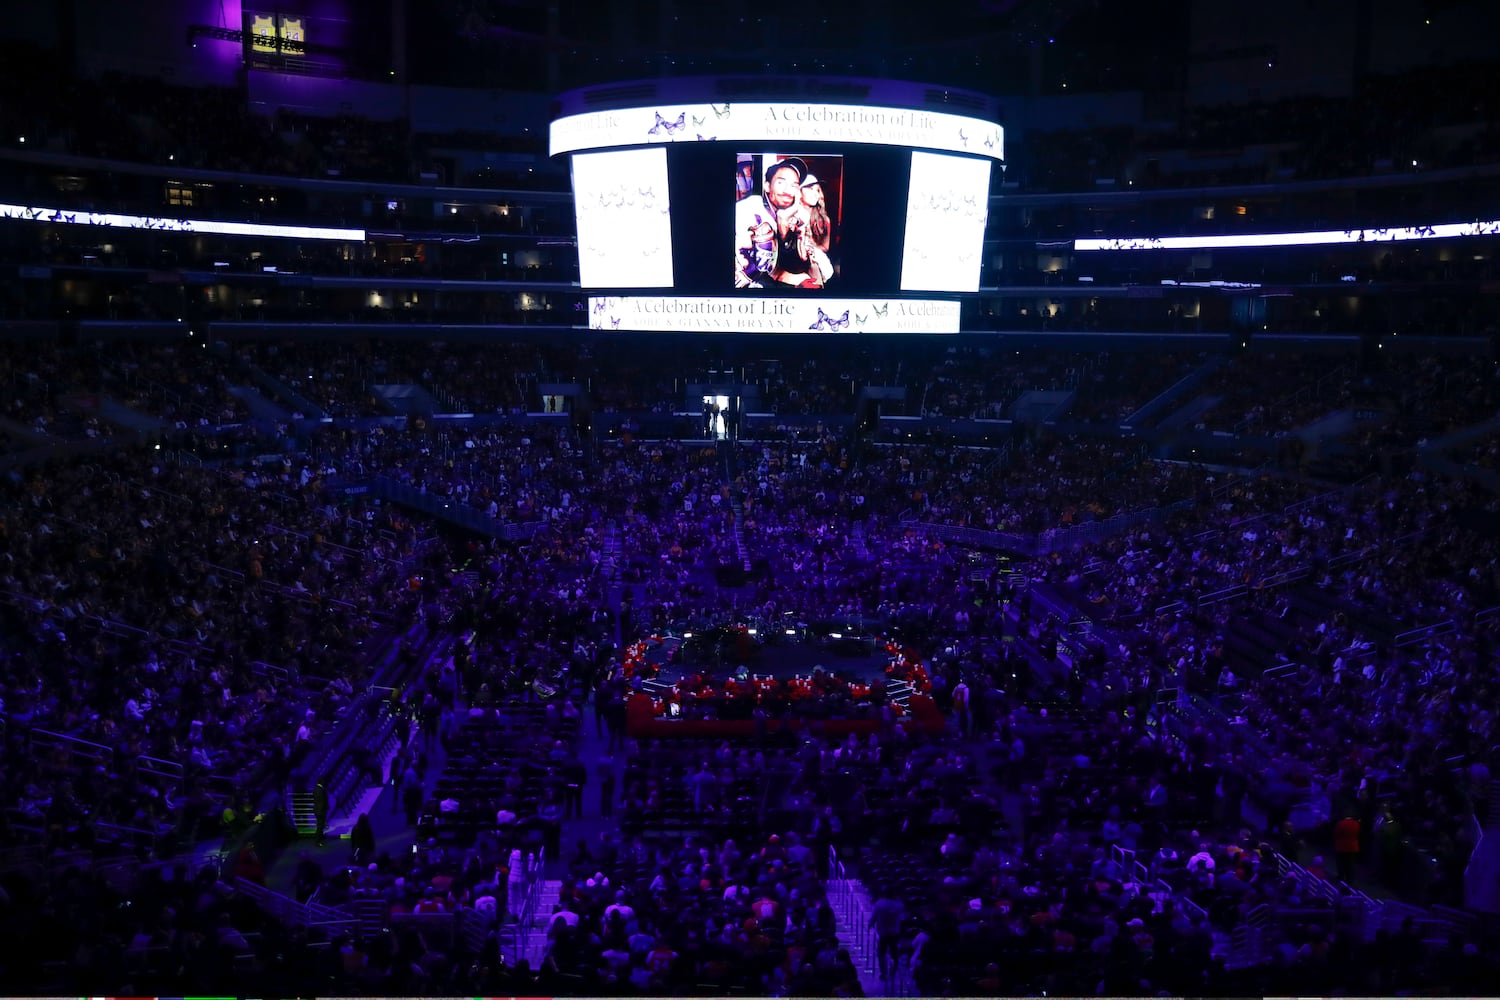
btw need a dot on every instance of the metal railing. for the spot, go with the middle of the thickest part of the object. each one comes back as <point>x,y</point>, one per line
<point>526,925</point>
<point>1480,877</point>
<point>286,910</point>
<point>48,739</point>
<point>1419,635</point>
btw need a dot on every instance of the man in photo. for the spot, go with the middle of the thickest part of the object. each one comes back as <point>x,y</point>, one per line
<point>774,233</point>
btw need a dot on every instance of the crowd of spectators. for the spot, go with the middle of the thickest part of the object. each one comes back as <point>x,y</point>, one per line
<point>1329,583</point>
<point>1274,395</point>
<point>181,636</point>
<point>127,561</point>
<point>1039,484</point>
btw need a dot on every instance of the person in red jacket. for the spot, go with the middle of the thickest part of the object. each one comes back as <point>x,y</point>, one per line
<point>1346,846</point>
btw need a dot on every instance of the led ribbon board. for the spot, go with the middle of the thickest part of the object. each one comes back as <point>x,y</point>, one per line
<point>663,314</point>
<point>66,217</point>
<point>1443,231</point>
<point>778,122</point>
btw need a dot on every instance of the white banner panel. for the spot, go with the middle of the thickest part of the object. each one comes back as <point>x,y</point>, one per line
<point>763,314</point>
<point>62,216</point>
<point>624,219</point>
<point>945,216</point>
<point>1442,231</point>
<point>778,122</point>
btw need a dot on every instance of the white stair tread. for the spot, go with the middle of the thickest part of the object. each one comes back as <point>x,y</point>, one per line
<point>339,826</point>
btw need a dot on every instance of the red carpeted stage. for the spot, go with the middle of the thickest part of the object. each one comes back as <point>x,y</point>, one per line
<point>731,681</point>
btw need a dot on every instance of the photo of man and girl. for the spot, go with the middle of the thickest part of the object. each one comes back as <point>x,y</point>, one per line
<point>786,220</point>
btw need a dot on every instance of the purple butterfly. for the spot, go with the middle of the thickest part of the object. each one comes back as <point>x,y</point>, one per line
<point>672,127</point>
<point>826,322</point>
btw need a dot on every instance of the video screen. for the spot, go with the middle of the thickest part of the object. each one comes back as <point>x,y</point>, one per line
<point>624,215</point>
<point>946,212</point>
<point>846,219</point>
<point>787,220</point>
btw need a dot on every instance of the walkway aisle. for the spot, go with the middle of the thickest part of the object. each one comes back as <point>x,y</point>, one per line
<point>852,907</point>
<point>593,751</point>
<point>392,834</point>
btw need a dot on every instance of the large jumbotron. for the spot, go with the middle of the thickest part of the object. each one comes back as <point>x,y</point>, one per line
<point>846,216</point>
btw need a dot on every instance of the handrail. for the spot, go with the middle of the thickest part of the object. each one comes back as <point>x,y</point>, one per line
<point>1227,594</point>
<point>1476,858</point>
<point>281,674</point>
<point>278,529</point>
<point>1416,635</point>
<point>529,905</point>
<point>1281,670</point>
<point>1283,578</point>
<point>159,767</point>
<point>134,836</point>
<point>287,910</point>
<point>73,744</point>
<point>111,626</point>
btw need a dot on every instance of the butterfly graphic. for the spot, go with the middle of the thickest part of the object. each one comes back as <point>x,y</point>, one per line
<point>707,138</point>
<point>860,320</point>
<point>614,322</point>
<point>598,307</point>
<point>698,121</point>
<point>718,113</point>
<point>827,322</point>
<point>647,192</point>
<point>881,310</point>
<point>672,127</point>
<point>989,142</point>
<point>964,138</point>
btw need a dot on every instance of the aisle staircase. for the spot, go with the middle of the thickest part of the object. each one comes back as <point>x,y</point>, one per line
<point>613,552</point>
<point>533,942</point>
<point>852,907</point>
<point>857,540</point>
<point>740,547</point>
<point>736,503</point>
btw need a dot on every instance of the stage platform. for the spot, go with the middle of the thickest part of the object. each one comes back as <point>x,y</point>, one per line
<point>725,652</point>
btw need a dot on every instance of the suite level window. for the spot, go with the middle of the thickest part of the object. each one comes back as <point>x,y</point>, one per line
<point>181,196</point>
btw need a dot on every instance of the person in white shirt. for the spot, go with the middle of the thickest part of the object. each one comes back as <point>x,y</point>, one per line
<point>626,912</point>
